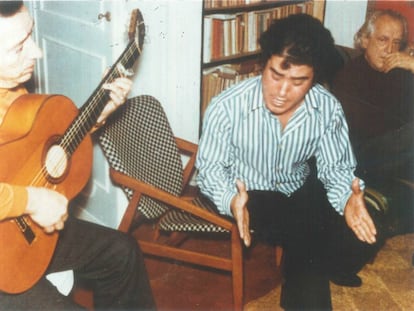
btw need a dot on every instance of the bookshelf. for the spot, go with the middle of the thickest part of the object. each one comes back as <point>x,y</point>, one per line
<point>230,33</point>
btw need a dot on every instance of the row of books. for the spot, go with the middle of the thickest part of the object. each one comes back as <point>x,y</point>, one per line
<point>214,4</point>
<point>227,35</point>
<point>219,78</point>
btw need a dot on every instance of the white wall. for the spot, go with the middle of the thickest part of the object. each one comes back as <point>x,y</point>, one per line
<point>343,18</point>
<point>169,67</point>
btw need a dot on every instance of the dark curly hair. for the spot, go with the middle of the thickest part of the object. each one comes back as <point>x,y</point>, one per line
<point>8,8</point>
<point>302,40</point>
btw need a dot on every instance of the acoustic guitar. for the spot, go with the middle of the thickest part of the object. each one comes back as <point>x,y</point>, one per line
<point>45,142</point>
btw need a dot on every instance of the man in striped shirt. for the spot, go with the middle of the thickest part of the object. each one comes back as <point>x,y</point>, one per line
<point>253,160</point>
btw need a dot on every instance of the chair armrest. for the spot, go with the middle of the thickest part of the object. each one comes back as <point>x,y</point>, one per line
<point>186,146</point>
<point>406,182</point>
<point>189,149</point>
<point>168,199</point>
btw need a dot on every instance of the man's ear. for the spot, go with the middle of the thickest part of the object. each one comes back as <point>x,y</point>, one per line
<point>364,42</point>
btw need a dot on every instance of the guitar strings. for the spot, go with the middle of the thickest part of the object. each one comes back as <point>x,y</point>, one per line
<point>91,110</point>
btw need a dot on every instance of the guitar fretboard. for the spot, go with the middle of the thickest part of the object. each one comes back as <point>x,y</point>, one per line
<point>90,111</point>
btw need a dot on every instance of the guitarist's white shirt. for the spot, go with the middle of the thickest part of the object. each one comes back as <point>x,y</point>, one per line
<point>62,280</point>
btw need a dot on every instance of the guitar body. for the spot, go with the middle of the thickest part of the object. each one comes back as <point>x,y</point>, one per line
<point>32,125</point>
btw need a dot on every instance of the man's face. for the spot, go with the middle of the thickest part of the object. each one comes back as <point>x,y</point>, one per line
<point>285,85</point>
<point>385,39</point>
<point>18,51</point>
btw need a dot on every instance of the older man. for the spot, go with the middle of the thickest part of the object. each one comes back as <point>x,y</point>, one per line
<point>376,90</point>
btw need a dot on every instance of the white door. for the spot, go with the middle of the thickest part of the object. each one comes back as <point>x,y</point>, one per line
<point>79,40</point>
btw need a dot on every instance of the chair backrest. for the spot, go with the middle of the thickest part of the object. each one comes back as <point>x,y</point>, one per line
<point>137,140</point>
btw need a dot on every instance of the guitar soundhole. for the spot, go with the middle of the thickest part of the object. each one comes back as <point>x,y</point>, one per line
<point>55,162</point>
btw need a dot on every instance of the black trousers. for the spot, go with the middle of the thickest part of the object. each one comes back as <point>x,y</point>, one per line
<point>110,261</point>
<point>388,156</point>
<point>306,226</point>
<point>382,161</point>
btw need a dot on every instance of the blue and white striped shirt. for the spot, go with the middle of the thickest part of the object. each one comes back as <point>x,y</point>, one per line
<point>241,139</point>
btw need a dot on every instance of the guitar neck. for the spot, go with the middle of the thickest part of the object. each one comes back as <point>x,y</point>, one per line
<point>90,111</point>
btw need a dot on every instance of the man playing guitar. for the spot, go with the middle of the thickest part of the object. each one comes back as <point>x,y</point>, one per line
<point>107,259</point>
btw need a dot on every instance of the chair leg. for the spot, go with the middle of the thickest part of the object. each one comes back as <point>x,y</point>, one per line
<point>237,273</point>
<point>156,234</point>
<point>278,254</point>
<point>177,238</point>
<point>83,297</point>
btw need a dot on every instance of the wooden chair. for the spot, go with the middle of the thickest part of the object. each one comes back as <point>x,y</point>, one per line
<point>146,160</point>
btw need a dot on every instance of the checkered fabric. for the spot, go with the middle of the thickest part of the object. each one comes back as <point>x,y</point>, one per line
<point>138,141</point>
<point>176,220</point>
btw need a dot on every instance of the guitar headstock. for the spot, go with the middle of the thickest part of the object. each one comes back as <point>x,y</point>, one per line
<point>136,30</point>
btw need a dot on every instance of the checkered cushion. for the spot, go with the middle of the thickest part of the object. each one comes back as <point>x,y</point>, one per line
<point>176,220</point>
<point>138,141</point>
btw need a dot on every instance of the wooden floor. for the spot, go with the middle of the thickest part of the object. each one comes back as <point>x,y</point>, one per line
<point>178,287</point>
<point>181,287</point>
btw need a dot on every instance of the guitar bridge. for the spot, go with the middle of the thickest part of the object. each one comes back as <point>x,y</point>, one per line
<point>25,229</point>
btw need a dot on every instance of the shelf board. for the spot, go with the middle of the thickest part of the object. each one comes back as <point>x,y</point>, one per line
<point>232,59</point>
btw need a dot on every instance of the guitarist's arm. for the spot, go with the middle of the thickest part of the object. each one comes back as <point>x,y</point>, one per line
<point>13,201</point>
<point>46,207</point>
